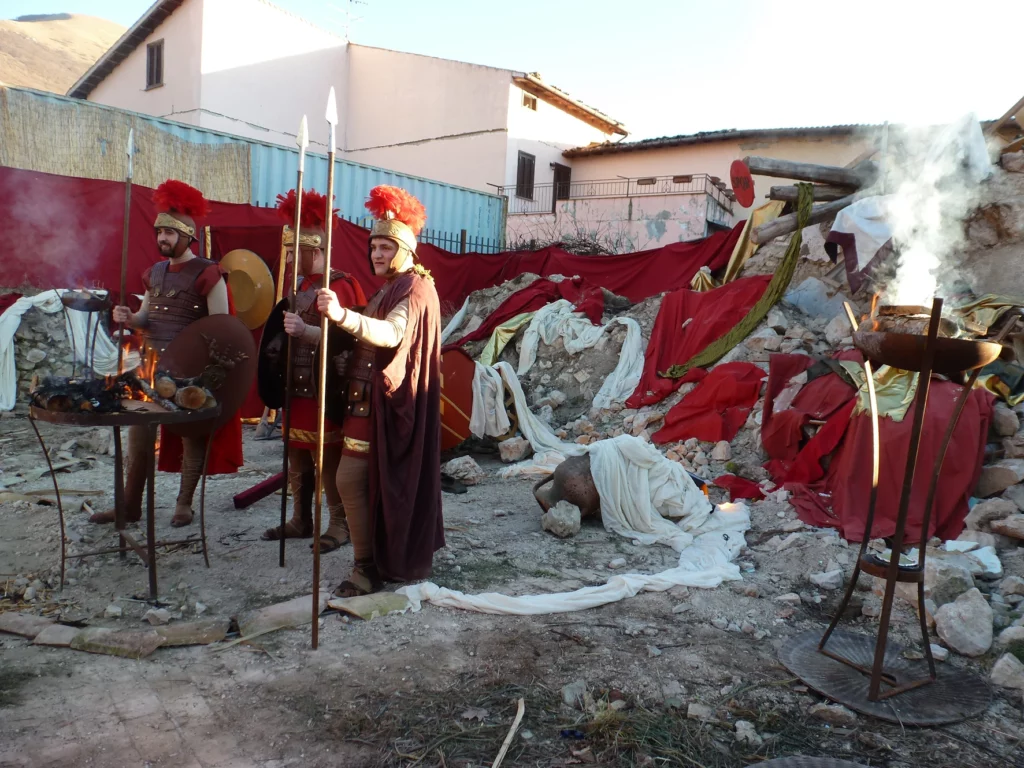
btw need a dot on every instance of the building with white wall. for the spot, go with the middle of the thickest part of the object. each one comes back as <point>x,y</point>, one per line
<point>251,69</point>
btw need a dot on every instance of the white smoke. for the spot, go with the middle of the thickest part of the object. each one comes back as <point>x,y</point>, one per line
<point>932,180</point>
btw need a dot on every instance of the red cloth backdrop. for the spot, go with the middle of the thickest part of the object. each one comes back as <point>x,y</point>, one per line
<point>837,496</point>
<point>706,316</point>
<point>74,228</point>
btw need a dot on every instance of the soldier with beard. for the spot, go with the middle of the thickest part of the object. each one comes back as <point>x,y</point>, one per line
<point>180,290</point>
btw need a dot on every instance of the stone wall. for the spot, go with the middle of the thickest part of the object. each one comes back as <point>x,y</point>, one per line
<point>41,349</point>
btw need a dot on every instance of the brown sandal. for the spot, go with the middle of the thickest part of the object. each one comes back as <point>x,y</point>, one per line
<point>329,542</point>
<point>362,581</point>
<point>292,530</point>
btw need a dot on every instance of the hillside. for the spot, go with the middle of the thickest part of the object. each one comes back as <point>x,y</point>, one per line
<point>51,52</point>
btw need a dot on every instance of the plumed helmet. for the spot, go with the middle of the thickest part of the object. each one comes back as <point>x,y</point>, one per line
<point>399,215</point>
<point>313,224</point>
<point>179,206</point>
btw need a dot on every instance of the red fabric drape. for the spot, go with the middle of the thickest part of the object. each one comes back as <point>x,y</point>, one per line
<point>7,299</point>
<point>707,316</point>
<point>739,487</point>
<point>716,408</point>
<point>86,246</point>
<point>838,496</point>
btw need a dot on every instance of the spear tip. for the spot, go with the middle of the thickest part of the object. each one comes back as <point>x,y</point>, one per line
<point>332,108</point>
<point>302,140</point>
<point>131,142</point>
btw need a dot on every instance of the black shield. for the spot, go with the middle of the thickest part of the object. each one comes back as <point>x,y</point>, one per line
<point>273,358</point>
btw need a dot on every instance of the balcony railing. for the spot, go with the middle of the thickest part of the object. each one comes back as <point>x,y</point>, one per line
<point>546,196</point>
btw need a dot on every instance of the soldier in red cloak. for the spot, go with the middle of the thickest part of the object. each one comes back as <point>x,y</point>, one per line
<point>389,475</point>
<point>304,327</point>
<point>179,291</point>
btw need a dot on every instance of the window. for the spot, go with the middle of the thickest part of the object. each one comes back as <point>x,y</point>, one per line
<point>530,102</point>
<point>155,64</point>
<point>524,175</point>
<point>563,181</point>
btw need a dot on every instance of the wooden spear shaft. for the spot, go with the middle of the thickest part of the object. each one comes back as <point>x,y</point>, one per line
<point>303,141</point>
<point>332,121</point>
<point>124,249</point>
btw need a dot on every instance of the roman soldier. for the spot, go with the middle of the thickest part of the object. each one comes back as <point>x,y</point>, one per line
<point>389,475</point>
<point>179,290</point>
<point>303,326</point>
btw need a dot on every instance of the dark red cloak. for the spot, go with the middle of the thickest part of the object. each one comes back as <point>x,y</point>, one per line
<point>405,448</point>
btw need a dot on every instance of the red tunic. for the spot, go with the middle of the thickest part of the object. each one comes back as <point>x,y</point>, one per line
<point>226,449</point>
<point>303,424</point>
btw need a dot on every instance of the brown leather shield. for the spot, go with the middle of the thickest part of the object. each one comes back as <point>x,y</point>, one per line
<point>220,348</point>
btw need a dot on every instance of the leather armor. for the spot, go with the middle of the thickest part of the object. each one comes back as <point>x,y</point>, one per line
<point>305,365</point>
<point>358,377</point>
<point>174,302</point>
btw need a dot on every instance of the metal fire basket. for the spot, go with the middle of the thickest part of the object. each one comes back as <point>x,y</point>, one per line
<point>872,677</point>
<point>141,415</point>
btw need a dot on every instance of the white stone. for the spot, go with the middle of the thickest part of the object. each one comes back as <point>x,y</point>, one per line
<point>938,652</point>
<point>112,611</point>
<point>965,625</point>
<point>465,469</point>
<point>1005,422</point>
<point>1008,672</point>
<point>790,598</point>
<point>35,356</point>
<point>984,513</point>
<point>581,376</point>
<point>1010,635</point>
<point>1012,585</point>
<point>201,608</point>
<point>563,520</point>
<point>756,342</point>
<point>514,449</point>
<point>618,562</point>
<point>960,545</point>
<point>991,566</point>
<point>1015,493</point>
<point>833,714</point>
<point>722,451</point>
<point>574,694</point>
<point>157,616</point>
<point>829,580</point>
<point>701,712</point>
<point>554,398</point>
<point>1012,526</point>
<point>837,329</point>
<point>746,733</point>
<point>997,477</point>
<point>777,320</point>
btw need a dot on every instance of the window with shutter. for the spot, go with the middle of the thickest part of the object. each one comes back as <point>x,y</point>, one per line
<point>155,64</point>
<point>524,175</point>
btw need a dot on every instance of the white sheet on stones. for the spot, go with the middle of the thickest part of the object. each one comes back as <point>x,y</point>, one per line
<point>489,416</point>
<point>704,563</point>
<point>77,327</point>
<point>868,221</point>
<point>456,322</point>
<point>560,320</point>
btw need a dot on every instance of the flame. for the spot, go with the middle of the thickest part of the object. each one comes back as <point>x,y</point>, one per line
<point>874,312</point>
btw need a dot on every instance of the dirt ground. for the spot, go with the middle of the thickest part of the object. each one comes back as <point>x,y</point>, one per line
<point>438,687</point>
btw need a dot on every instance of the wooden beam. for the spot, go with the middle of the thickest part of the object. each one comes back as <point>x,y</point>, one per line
<point>822,192</point>
<point>864,174</point>
<point>787,224</point>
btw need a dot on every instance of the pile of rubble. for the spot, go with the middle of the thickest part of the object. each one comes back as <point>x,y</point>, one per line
<point>41,349</point>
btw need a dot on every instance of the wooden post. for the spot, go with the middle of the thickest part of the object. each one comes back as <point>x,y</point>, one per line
<point>462,241</point>
<point>860,176</point>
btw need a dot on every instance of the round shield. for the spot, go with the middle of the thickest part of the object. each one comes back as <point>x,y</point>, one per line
<point>219,348</point>
<point>457,369</point>
<point>742,183</point>
<point>272,365</point>
<point>252,286</point>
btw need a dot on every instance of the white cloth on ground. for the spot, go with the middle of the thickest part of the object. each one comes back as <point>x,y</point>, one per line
<point>456,322</point>
<point>705,563</point>
<point>78,327</point>
<point>559,319</point>
<point>489,416</point>
<point>640,488</point>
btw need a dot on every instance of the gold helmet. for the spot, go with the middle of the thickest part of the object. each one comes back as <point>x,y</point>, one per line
<point>399,215</point>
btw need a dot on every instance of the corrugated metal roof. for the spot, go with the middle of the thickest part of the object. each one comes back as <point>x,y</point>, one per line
<point>705,137</point>
<point>273,171</point>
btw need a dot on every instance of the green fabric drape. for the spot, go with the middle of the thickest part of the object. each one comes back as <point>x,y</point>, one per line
<point>775,290</point>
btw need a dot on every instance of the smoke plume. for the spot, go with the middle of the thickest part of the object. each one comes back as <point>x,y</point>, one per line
<point>932,180</point>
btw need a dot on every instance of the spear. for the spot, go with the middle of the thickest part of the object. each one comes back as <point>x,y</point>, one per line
<point>124,248</point>
<point>332,122</point>
<point>302,140</point>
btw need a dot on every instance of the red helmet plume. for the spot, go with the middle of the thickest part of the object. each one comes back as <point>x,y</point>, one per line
<point>314,209</point>
<point>386,202</point>
<point>177,196</point>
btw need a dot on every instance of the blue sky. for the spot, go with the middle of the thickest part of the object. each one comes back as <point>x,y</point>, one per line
<point>666,67</point>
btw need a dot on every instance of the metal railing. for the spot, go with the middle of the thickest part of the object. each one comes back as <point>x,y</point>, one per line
<point>546,196</point>
<point>456,242</point>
